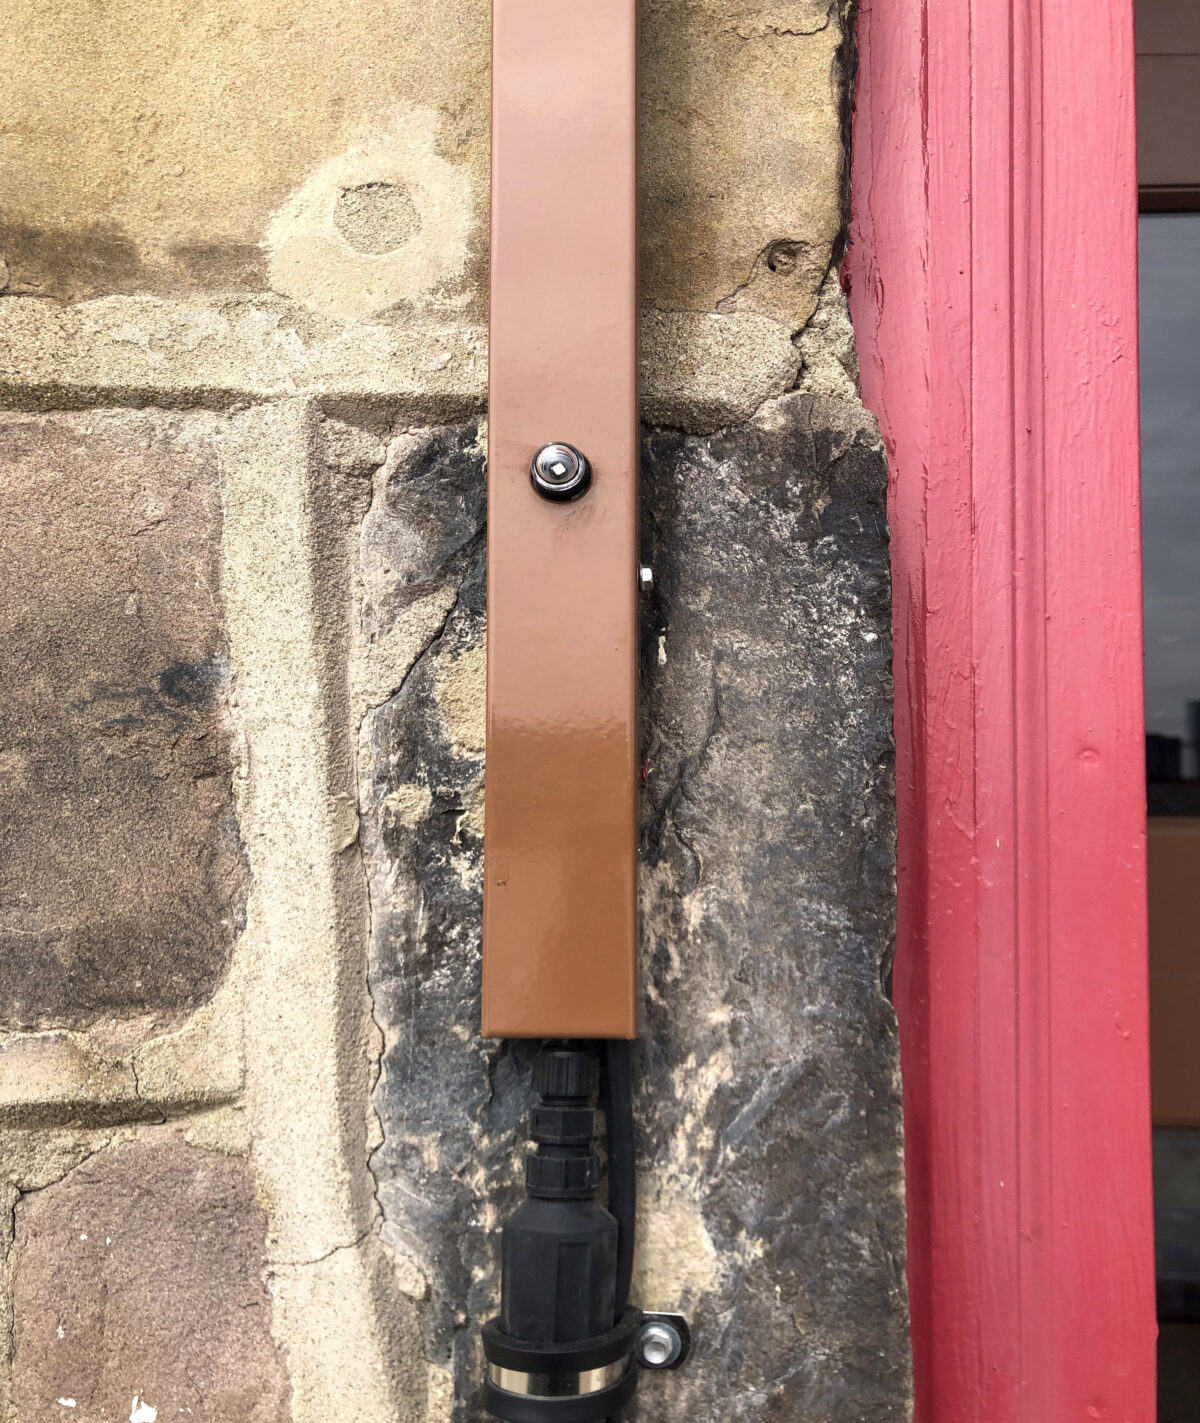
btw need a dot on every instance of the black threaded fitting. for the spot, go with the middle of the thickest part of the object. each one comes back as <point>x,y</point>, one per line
<point>564,1167</point>
<point>559,1268</point>
<point>557,1353</point>
<point>557,1176</point>
<point>566,1072</point>
<point>563,1126</point>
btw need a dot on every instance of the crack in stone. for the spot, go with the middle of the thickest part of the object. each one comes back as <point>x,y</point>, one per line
<point>372,1229</point>
<point>767,27</point>
<point>677,790</point>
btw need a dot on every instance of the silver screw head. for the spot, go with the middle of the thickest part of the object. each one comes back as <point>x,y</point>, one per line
<point>559,471</point>
<point>658,1345</point>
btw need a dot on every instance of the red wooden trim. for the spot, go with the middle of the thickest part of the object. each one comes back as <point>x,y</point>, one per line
<point>993,286</point>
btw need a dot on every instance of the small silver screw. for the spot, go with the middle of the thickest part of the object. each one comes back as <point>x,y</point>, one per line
<point>559,471</point>
<point>646,578</point>
<point>658,1345</point>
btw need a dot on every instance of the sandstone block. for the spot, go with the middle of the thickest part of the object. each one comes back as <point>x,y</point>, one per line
<point>139,1293</point>
<point>124,882</point>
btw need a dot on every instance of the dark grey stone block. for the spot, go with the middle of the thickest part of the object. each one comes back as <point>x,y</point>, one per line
<point>768,1106</point>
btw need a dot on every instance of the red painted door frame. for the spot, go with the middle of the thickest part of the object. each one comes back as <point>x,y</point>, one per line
<point>992,277</point>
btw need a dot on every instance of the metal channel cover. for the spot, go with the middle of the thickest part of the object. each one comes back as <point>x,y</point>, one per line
<point>560,868</point>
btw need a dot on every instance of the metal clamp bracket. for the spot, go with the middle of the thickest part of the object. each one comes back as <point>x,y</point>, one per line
<point>663,1341</point>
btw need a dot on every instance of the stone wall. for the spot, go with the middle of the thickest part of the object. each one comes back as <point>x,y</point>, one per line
<point>252,1149</point>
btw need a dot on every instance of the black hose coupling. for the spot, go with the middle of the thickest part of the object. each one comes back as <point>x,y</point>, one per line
<point>558,1350</point>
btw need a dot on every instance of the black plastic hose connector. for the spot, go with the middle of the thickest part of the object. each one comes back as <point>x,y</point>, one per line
<point>558,1350</point>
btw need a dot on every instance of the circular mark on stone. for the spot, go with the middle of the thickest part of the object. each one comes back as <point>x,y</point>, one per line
<point>376,217</point>
<point>332,243</point>
<point>782,257</point>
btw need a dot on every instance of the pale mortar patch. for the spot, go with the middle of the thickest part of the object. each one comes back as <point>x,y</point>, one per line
<point>312,259</point>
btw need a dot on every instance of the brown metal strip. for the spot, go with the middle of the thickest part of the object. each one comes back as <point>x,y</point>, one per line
<point>559,921</point>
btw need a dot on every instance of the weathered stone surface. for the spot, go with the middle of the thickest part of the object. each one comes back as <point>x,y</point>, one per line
<point>449,1103</point>
<point>123,884</point>
<point>139,1293</point>
<point>771,1111</point>
<point>742,155</point>
<point>279,212</point>
<point>149,145</point>
<point>768,1108</point>
<point>699,370</point>
<point>336,244</point>
<point>166,148</point>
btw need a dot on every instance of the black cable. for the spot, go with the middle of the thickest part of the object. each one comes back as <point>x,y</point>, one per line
<point>616,1098</point>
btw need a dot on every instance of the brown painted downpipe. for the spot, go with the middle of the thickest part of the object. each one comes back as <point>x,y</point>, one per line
<point>559,932</point>
<point>560,915</point>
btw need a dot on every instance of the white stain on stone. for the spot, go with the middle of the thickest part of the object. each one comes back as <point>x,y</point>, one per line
<point>66,1403</point>
<point>410,1277</point>
<point>462,698</point>
<point>142,1412</point>
<point>312,259</point>
<point>408,805</point>
<point>677,1261</point>
<point>439,1407</point>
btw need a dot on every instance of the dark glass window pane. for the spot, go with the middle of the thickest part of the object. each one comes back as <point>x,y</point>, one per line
<point>1170,371</point>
